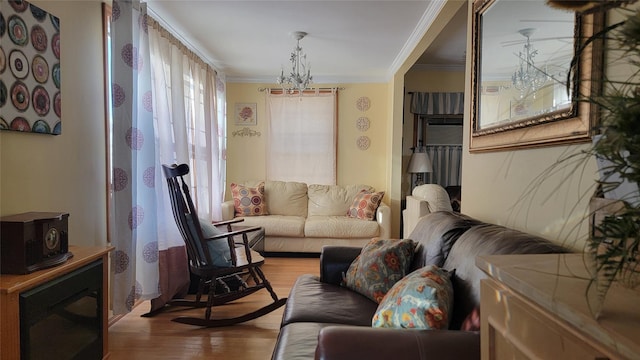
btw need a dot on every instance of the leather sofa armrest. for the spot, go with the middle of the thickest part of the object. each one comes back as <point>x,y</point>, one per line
<point>228,210</point>
<point>358,342</point>
<point>334,261</point>
<point>383,217</point>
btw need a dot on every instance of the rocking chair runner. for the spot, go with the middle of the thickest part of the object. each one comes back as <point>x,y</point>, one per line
<point>243,268</point>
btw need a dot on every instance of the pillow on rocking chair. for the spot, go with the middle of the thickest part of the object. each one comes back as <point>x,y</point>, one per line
<point>219,248</point>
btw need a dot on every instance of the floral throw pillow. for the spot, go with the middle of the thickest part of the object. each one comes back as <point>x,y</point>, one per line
<point>379,266</point>
<point>421,300</point>
<point>365,204</point>
<point>249,201</point>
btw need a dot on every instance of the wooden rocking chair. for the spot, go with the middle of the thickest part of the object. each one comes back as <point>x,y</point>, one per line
<point>239,277</point>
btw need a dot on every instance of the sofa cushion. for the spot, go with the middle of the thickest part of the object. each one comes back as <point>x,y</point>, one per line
<point>340,227</point>
<point>311,300</point>
<point>421,300</point>
<point>286,198</point>
<point>278,225</point>
<point>436,233</point>
<point>365,204</point>
<point>485,239</point>
<point>381,263</point>
<point>332,199</point>
<point>249,201</point>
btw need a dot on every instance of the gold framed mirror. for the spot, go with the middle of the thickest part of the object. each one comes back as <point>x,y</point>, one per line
<point>525,91</point>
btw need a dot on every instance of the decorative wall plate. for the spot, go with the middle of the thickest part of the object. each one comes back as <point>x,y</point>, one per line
<point>3,93</point>
<point>38,13</point>
<point>3,60</point>
<point>18,64</point>
<point>40,69</point>
<point>41,127</point>
<point>20,124</point>
<point>362,123</point>
<point>18,30</point>
<point>55,73</point>
<point>363,103</point>
<point>19,5</point>
<point>55,45</point>
<point>363,142</point>
<point>57,104</point>
<point>39,38</point>
<point>3,24</point>
<point>19,96</point>
<point>41,101</point>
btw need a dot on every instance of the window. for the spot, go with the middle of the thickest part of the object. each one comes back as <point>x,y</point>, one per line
<point>301,137</point>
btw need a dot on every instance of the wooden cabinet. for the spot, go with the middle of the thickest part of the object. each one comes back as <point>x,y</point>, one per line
<point>14,289</point>
<point>535,307</point>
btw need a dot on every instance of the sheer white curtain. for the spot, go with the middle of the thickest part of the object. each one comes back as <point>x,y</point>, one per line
<point>301,137</point>
<point>135,218</point>
<point>189,116</point>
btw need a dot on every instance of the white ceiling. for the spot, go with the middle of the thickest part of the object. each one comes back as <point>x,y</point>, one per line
<point>348,41</point>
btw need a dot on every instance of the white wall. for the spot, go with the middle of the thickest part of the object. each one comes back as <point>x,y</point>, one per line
<point>65,173</point>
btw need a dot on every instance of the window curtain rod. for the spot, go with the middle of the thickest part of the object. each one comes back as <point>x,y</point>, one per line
<point>263,89</point>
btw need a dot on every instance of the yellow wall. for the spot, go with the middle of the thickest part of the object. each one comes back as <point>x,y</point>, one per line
<point>65,173</point>
<point>245,154</point>
<point>505,187</point>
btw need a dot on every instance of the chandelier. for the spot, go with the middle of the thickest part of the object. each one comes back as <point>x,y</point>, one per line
<point>528,78</point>
<point>300,77</point>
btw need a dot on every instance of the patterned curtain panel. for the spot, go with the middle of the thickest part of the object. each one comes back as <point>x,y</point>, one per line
<point>446,161</point>
<point>133,221</point>
<point>437,103</point>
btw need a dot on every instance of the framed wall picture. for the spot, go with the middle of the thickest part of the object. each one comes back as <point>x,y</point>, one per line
<point>246,114</point>
<point>30,99</point>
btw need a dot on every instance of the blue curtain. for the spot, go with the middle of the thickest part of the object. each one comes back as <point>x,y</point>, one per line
<point>437,103</point>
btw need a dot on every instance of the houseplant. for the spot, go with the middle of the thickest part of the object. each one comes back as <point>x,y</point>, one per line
<point>614,239</point>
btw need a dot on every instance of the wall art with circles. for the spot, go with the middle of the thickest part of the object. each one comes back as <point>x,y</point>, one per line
<point>30,99</point>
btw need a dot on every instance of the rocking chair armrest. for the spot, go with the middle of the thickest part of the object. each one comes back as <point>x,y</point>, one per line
<point>227,223</point>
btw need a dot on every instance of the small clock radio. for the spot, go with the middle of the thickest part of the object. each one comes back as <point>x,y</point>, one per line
<point>33,241</point>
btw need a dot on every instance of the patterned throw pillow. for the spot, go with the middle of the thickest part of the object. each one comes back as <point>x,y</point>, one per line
<point>365,205</point>
<point>379,266</point>
<point>421,300</point>
<point>249,201</point>
<point>472,321</point>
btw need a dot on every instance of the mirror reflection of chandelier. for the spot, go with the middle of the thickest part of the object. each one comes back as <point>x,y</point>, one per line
<point>528,78</point>
<point>300,77</point>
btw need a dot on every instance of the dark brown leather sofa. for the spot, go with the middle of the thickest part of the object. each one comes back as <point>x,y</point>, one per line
<point>323,320</point>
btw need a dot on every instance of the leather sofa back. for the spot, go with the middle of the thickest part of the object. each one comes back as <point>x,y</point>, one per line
<point>436,233</point>
<point>453,241</point>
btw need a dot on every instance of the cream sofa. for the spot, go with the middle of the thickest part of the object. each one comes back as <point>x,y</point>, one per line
<point>424,199</point>
<point>304,218</point>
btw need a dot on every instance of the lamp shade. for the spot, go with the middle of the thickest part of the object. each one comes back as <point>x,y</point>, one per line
<point>419,163</point>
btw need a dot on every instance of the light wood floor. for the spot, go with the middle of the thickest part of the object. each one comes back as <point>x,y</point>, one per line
<point>135,337</point>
